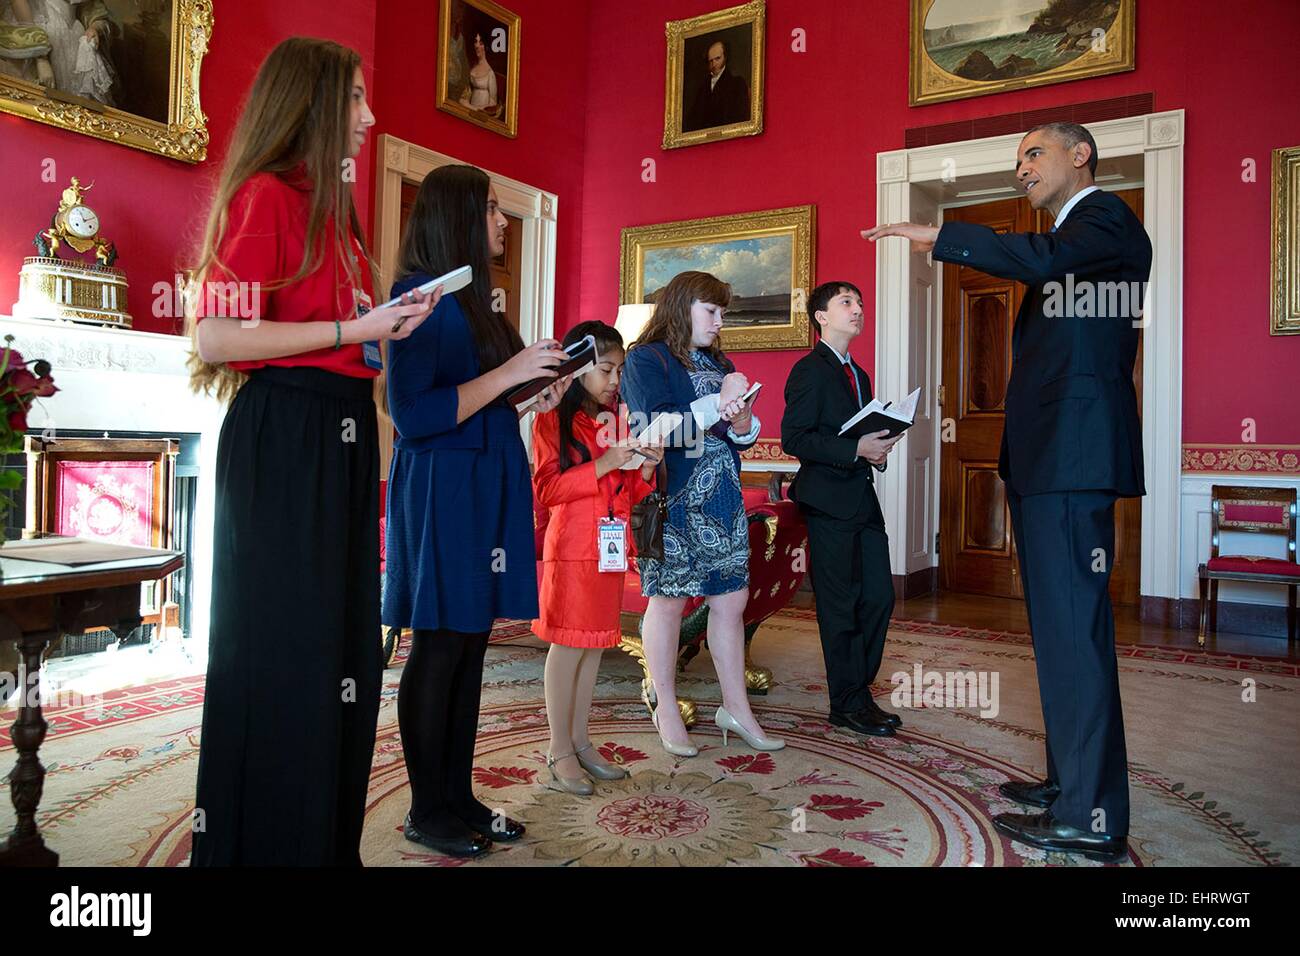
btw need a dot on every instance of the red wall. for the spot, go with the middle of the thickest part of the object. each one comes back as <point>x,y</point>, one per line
<point>155,208</point>
<point>830,110</point>
<point>554,87</point>
<point>592,108</point>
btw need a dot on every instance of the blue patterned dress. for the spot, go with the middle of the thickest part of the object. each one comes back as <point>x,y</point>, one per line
<point>706,537</point>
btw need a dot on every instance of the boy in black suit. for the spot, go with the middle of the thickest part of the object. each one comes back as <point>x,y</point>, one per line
<point>1071,445</point>
<point>849,559</point>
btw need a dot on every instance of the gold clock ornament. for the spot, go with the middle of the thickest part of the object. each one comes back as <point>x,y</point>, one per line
<point>51,287</point>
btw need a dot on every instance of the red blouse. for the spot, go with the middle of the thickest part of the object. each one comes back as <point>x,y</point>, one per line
<point>264,242</point>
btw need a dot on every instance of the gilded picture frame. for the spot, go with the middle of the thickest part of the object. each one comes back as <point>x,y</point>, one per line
<point>461,25</point>
<point>179,131</point>
<point>699,108</point>
<point>754,251</point>
<point>964,48</point>
<point>1285,272</point>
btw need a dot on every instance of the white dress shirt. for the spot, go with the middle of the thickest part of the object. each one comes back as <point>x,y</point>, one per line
<point>1070,204</point>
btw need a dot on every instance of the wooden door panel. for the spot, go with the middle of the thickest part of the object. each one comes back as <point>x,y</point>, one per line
<point>984,506</point>
<point>976,546</point>
<point>975,542</point>
<point>988,350</point>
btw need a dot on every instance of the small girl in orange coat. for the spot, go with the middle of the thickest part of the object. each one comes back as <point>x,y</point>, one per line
<point>578,476</point>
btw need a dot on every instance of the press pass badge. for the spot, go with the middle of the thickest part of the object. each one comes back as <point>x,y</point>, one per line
<point>369,350</point>
<point>611,542</point>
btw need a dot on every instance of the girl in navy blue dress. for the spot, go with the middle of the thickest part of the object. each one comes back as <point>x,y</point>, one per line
<point>460,546</point>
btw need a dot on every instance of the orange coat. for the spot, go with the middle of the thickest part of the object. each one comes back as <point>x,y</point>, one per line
<point>579,604</point>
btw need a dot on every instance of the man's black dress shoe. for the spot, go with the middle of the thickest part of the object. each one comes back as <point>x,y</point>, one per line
<point>1033,793</point>
<point>1045,831</point>
<point>863,722</point>
<point>876,711</point>
<point>470,843</point>
<point>499,829</point>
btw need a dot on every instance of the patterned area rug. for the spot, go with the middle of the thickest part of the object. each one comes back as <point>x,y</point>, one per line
<point>1210,742</point>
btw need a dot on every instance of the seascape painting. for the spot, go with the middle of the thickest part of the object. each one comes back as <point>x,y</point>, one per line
<point>971,47</point>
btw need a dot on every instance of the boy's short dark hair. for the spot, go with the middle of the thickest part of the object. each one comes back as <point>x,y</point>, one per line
<point>821,297</point>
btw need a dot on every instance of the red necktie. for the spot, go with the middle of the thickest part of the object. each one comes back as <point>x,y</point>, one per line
<point>853,383</point>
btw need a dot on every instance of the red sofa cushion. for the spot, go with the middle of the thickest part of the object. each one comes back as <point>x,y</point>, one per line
<point>1249,564</point>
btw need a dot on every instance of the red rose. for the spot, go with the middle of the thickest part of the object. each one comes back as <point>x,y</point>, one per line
<point>18,419</point>
<point>24,383</point>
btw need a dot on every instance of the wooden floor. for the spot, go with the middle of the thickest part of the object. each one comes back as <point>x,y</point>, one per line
<point>1004,614</point>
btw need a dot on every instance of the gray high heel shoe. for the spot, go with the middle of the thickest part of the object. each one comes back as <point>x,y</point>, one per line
<point>726,723</point>
<point>578,786</point>
<point>687,749</point>
<point>597,766</point>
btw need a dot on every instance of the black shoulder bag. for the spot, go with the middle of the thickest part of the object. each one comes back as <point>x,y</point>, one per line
<point>649,515</point>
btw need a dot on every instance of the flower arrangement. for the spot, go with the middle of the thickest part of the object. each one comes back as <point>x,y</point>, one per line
<point>21,383</point>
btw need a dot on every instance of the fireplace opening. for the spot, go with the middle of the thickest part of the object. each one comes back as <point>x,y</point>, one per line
<point>184,501</point>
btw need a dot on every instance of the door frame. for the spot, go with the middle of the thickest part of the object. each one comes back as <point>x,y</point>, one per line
<point>907,348</point>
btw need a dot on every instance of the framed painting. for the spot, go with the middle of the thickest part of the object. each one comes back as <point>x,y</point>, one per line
<point>1285,319</point>
<point>962,48</point>
<point>714,85</point>
<point>126,71</point>
<point>478,64</point>
<point>767,257</point>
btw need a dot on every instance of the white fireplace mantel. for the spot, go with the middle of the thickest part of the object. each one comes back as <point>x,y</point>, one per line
<point>120,380</point>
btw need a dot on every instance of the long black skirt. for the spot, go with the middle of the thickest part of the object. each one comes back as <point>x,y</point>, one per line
<point>294,660</point>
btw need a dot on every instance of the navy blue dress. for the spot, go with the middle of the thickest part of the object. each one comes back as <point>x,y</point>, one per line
<point>460,545</point>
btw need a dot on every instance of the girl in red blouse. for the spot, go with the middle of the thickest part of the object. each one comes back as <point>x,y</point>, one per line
<point>279,311</point>
<point>578,476</point>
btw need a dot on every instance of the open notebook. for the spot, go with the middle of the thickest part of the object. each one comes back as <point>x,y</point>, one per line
<point>877,416</point>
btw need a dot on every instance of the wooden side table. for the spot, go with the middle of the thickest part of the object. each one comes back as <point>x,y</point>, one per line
<point>38,602</point>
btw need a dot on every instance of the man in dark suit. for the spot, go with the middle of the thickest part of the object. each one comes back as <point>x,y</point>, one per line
<point>849,559</point>
<point>720,98</point>
<point>1071,445</point>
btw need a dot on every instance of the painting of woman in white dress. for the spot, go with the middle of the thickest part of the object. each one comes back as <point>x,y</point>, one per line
<point>121,70</point>
<point>61,44</point>
<point>478,63</point>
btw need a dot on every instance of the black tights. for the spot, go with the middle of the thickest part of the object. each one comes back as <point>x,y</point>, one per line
<point>437,711</point>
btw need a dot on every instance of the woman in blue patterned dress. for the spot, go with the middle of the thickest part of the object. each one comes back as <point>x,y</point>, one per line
<point>677,365</point>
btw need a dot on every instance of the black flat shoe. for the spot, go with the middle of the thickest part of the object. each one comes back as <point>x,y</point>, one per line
<point>879,713</point>
<point>1032,793</point>
<point>499,829</point>
<point>863,723</point>
<point>470,843</point>
<point>1046,832</point>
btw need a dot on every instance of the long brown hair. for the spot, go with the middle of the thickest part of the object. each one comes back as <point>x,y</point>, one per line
<point>448,229</point>
<point>671,322</point>
<point>298,112</point>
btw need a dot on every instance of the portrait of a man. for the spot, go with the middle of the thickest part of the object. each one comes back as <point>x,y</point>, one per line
<point>714,84</point>
<point>718,96</point>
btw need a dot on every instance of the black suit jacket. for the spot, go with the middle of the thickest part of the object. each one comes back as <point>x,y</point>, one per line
<point>1071,411</point>
<point>718,105</point>
<point>818,400</point>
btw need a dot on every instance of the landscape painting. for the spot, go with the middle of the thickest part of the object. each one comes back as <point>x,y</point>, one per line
<point>964,48</point>
<point>765,257</point>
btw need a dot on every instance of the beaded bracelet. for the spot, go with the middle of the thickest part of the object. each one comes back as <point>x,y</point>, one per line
<point>338,335</point>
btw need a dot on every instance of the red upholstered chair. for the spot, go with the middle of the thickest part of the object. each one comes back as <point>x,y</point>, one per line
<point>1259,511</point>
<point>776,532</point>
